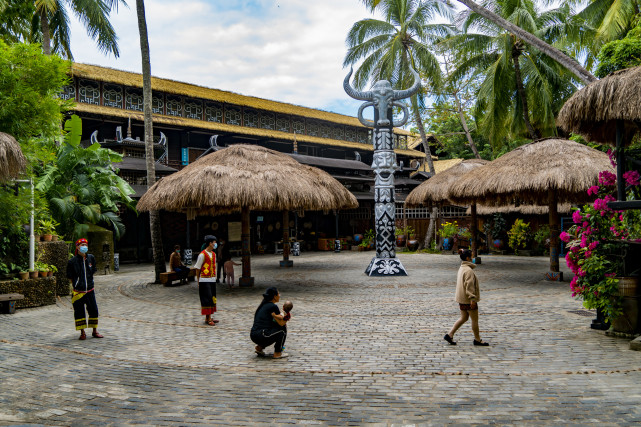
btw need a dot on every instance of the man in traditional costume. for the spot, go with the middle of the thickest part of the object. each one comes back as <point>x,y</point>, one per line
<point>80,270</point>
<point>206,276</point>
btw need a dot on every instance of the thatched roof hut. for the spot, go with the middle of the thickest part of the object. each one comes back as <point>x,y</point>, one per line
<point>543,172</point>
<point>246,176</point>
<point>594,110</point>
<point>12,161</point>
<point>242,178</point>
<point>530,171</point>
<point>436,190</point>
<point>482,210</point>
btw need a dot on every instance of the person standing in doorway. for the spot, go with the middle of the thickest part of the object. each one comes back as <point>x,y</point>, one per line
<point>80,270</point>
<point>206,276</point>
<point>222,256</point>
<point>467,296</point>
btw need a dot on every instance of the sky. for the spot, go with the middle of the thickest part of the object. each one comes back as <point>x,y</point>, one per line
<point>283,50</point>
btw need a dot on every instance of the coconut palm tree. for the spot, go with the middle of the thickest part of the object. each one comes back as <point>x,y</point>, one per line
<point>568,62</point>
<point>51,22</point>
<point>611,20</point>
<point>391,47</point>
<point>520,87</point>
<point>154,216</point>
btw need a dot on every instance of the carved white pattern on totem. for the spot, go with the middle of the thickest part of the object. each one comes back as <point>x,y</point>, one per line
<point>387,266</point>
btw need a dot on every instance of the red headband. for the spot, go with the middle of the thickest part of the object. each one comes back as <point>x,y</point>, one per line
<point>80,242</point>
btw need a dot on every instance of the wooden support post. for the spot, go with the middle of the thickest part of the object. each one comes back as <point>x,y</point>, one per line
<point>286,262</point>
<point>246,279</point>
<point>554,274</point>
<point>474,229</point>
<point>620,161</point>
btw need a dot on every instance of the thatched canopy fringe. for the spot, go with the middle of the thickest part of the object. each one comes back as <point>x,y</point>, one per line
<point>251,176</point>
<point>594,110</point>
<point>436,190</point>
<point>529,171</point>
<point>12,161</point>
<point>481,210</point>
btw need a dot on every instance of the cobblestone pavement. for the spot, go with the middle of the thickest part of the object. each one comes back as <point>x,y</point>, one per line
<point>362,350</point>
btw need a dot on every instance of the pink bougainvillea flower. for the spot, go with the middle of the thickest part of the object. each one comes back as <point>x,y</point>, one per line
<point>600,205</point>
<point>610,274</point>
<point>609,198</point>
<point>584,241</point>
<point>593,245</point>
<point>631,178</point>
<point>612,158</point>
<point>581,273</point>
<point>593,190</point>
<point>607,178</point>
<point>565,236</point>
<point>576,217</point>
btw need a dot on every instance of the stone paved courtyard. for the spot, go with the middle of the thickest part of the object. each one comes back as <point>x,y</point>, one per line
<point>362,351</point>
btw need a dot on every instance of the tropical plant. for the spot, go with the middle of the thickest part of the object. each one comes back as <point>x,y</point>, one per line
<point>610,20</point>
<point>596,243</point>
<point>47,226</point>
<point>368,238</point>
<point>51,22</point>
<point>519,235</point>
<point>154,216</point>
<point>620,54</point>
<point>82,186</point>
<point>448,229</point>
<point>521,89</point>
<point>464,233</point>
<point>495,226</point>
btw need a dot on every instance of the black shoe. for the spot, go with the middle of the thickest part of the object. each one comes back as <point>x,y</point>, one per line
<point>449,339</point>
<point>483,343</point>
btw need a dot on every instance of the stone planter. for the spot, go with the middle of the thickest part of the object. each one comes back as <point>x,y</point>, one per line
<point>24,275</point>
<point>630,292</point>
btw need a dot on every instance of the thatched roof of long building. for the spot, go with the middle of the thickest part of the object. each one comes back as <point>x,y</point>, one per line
<point>436,190</point>
<point>127,78</point>
<point>482,210</point>
<point>12,161</point>
<point>530,171</point>
<point>594,110</point>
<point>246,175</point>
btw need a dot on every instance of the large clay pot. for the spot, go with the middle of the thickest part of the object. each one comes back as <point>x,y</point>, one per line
<point>47,237</point>
<point>43,273</point>
<point>358,238</point>
<point>412,244</point>
<point>24,275</point>
<point>33,274</point>
<point>497,243</point>
<point>447,243</point>
<point>630,290</point>
<point>400,240</point>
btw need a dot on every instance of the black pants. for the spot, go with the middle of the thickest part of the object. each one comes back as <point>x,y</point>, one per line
<point>267,337</point>
<point>220,268</point>
<point>183,272</point>
<point>79,314</point>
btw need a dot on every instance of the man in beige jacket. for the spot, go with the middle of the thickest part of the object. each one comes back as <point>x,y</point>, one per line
<point>467,295</point>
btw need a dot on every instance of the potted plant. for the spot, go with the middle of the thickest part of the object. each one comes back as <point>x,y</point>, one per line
<point>463,233</point>
<point>52,269</point>
<point>447,231</point>
<point>597,247</point>
<point>519,235</point>
<point>47,228</point>
<point>401,238</point>
<point>41,268</point>
<point>541,240</point>
<point>368,239</point>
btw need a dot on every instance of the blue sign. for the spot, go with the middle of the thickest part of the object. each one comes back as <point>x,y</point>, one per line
<point>185,156</point>
<point>259,219</point>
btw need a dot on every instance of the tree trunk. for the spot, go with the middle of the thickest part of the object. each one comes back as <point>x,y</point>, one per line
<point>430,164</point>
<point>46,32</point>
<point>154,216</point>
<point>554,53</point>
<point>516,52</point>
<point>468,135</point>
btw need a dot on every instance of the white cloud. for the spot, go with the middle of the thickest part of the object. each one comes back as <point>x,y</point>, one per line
<point>284,50</point>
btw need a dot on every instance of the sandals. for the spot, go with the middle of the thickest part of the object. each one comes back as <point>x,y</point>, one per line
<point>259,352</point>
<point>210,322</point>
<point>83,336</point>
<point>282,356</point>
<point>483,343</point>
<point>449,339</point>
<point>96,335</point>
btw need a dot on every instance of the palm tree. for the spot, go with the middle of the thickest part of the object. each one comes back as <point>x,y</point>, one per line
<point>611,20</point>
<point>568,62</point>
<point>51,21</point>
<point>154,216</point>
<point>515,76</point>
<point>391,47</point>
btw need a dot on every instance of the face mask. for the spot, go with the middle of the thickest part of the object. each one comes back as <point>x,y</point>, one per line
<point>215,245</point>
<point>177,251</point>
<point>83,249</point>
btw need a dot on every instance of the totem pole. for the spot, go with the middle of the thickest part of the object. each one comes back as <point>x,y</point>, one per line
<point>382,97</point>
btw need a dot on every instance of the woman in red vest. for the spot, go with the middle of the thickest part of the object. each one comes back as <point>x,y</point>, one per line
<point>206,275</point>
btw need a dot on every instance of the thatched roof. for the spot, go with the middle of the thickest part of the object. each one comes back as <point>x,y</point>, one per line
<point>12,161</point>
<point>111,75</point>
<point>246,175</point>
<point>437,189</point>
<point>529,171</point>
<point>563,208</point>
<point>594,110</point>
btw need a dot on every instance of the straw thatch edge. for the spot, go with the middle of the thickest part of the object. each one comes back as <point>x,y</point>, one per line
<point>12,160</point>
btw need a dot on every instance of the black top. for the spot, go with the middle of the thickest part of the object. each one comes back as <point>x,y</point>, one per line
<point>223,253</point>
<point>80,271</point>
<point>263,318</point>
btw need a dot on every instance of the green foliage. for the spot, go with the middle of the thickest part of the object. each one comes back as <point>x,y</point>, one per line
<point>519,235</point>
<point>448,229</point>
<point>406,231</point>
<point>83,188</point>
<point>47,226</point>
<point>495,227</point>
<point>620,54</point>
<point>464,233</point>
<point>29,85</point>
<point>368,238</point>
<point>541,235</point>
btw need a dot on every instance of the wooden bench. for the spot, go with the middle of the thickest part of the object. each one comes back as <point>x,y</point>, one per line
<point>8,302</point>
<point>170,276</point>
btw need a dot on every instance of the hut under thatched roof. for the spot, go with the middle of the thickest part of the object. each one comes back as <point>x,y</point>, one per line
<point>530,171</point>
<point>12,161</point>
<point>243,178</point>
<point>543,172</point>
<point>594,110</point>
<point>436,190</point>
<point>247,176</point>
